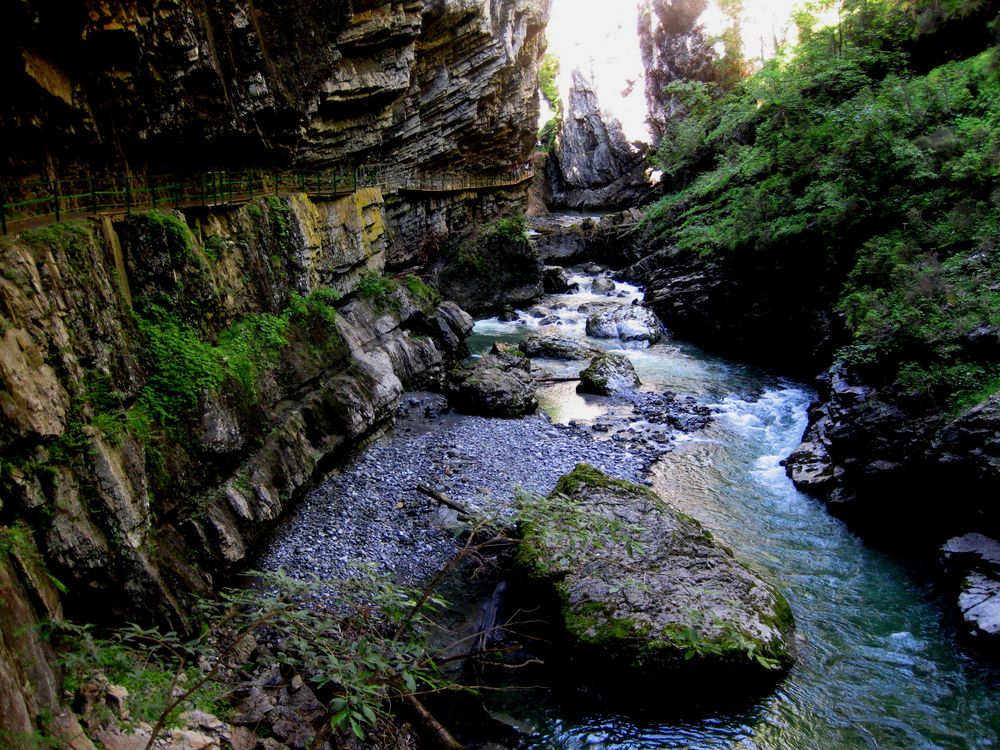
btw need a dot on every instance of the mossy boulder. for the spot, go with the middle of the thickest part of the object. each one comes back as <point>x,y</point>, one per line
<point>497,385</point>
<point>646,597</point>
<point>608,374</point>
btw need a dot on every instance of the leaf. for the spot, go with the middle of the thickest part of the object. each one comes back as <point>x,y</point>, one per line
<point>410,682</point>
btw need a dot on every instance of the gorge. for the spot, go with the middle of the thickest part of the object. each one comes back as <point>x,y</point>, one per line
<point>251,378</point>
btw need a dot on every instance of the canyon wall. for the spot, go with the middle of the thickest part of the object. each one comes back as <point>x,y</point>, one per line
<point>115,85</point>
<point>172,381</point>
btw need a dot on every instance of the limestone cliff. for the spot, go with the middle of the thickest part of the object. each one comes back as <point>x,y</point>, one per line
<point>116,84</point>
<point>170,382</point>
<point>593,165</point>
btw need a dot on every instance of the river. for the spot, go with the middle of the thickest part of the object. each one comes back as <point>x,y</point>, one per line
<point>878,665</point>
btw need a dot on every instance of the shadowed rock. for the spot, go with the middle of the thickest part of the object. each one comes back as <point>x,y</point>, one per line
<point>498,385</point>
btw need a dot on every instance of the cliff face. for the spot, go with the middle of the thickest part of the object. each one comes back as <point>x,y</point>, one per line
<point>104,327</point>
<point>170,381</point>
<point>434,84</point>
<point>593,165</point>
<point>674,47</point>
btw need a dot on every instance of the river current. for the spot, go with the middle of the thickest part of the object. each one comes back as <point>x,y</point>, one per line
<point>878,665</point>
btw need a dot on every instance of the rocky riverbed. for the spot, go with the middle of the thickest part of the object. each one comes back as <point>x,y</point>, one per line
<point>371,510</point>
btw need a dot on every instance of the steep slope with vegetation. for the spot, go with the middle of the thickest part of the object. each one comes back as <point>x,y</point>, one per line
<point>842,205</point>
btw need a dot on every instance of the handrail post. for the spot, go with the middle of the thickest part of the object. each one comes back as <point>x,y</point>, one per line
<point>54,187</point>
<point>152,191</point>
<point>93,195</point>
<point>3,214</point>
<point>128,196</point>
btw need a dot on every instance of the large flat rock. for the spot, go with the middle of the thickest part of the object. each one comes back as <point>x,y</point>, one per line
<point>645,594</point>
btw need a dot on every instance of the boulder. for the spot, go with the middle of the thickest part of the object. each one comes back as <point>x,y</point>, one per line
<point>648,602</point>
<point>607,375</point>
<point>497,385</point>
<point>556,347</point>
<point>979,603</point>
<point>556,280</point>
<point>602,285</point>
<point>630,323</point>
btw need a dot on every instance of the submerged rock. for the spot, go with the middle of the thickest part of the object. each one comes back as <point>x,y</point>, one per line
<point>556,347</point>
<point>498,385</point>
<point>646,597</point>
<point>631,323</point>
<point>608,374</point>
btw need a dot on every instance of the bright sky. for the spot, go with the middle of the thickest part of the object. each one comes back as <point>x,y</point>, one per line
<point>599,37</point>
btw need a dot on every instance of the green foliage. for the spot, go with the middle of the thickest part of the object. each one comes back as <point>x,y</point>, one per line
<point>561,534</point>
<point>183,366</point>
<point>547,75</point>
<point>173,228</point>
<point>214,245</point>
<point>426,295</point>
<point>17,540</point>
<point>377,288</point>
<point>548,134</point>
<point>510,229</point>
<point>315,309</point>
<point>280,213</point>
<point>369,648</point>
<point>839,149</point>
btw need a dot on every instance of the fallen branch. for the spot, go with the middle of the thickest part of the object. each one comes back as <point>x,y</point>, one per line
<point>431,726</point>
<point>557,380</point>
<point>445,500</point>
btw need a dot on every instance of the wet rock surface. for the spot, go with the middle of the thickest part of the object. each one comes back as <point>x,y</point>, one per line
<point>632,324</point>
<point>551,346</point>
<point>975,559</point>
<point>645,593</point>
<point>607,375</point>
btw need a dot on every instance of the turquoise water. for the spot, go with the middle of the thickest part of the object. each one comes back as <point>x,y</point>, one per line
<point>878,666</point>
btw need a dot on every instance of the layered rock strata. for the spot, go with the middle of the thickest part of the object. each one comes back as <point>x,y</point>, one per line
<point>593,166</point>
<point>104,325</point>
<point>433,86</point>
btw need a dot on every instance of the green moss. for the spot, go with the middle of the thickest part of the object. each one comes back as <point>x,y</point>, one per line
<point>378,289</point>
<point>426,295</point>
<point>587,475</point>
<point>174,228</point>
<point>214,246</point>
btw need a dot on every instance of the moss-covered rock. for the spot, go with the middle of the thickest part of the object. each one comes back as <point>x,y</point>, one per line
<point>498,385</point>
<point>608,374</point>
<point>645,594</point>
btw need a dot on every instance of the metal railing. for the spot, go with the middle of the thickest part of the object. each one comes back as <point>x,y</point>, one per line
<point>31,203</point>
